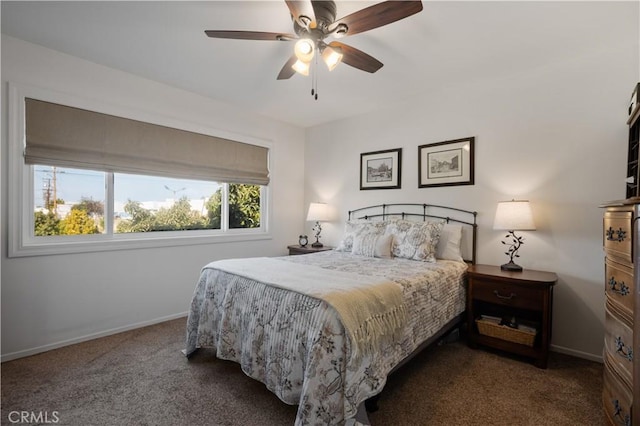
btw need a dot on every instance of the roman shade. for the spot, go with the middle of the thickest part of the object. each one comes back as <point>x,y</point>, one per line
<point>65,136</point>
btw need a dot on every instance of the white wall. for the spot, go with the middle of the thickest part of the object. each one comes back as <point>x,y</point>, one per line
<point>555,135</point>
<point>51,300</point>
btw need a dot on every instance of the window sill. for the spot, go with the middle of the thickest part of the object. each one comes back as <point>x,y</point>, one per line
<point>127,242</point>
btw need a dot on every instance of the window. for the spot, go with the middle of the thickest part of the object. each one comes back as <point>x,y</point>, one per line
<point>152,204</point>
<point>57,209</point>
<point>72,202</point>
<point>65,209</point>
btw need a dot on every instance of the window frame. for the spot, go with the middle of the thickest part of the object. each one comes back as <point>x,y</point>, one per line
<point>21,237</point>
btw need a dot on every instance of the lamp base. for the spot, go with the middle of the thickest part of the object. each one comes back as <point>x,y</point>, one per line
<point>511,267</point>
<point>317,244</point>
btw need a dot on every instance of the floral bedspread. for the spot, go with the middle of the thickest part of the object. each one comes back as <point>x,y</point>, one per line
<point>296,345</point>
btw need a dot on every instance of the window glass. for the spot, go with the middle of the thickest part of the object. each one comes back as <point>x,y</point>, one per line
<point>244,206</point>
<point>151,203</point>
<point>72,202</point>
<point>68,201</point>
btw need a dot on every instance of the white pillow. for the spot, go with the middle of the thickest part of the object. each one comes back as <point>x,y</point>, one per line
<point>372,245</point>
<point>448,247</point>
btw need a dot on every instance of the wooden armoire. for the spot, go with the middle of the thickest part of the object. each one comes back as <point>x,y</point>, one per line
<point>621,239</point>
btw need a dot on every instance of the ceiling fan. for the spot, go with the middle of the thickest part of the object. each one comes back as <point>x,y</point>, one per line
<point>314,21</point>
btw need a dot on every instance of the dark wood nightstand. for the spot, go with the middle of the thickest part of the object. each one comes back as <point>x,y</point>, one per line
<point>526,296</point>
<point>297,249</point>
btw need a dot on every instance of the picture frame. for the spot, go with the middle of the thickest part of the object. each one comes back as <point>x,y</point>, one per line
<point>446,163</point>
<point>381,169</point>
<point>635,99</point>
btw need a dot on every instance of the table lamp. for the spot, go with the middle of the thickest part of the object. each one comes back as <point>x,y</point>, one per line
<point>318,212</point>
<point>514,215</point>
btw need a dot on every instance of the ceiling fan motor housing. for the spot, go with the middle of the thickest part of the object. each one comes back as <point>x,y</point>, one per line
<point>325,14</point>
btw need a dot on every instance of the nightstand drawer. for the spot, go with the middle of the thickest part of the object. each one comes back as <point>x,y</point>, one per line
<point>296,250</point>
<point>508,294</point>
<point>617,234</point>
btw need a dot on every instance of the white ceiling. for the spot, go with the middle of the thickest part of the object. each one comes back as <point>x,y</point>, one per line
<point>447,43</point>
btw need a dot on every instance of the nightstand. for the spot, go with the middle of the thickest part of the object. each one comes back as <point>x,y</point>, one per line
<point>297,249</point>
<point>526,296</point>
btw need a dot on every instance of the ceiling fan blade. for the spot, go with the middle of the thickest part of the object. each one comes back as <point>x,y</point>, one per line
<point>378,15</point>
<point>302,9</point>
<point>286,71</point>
<point>251,35</point>
<point>357,58</point>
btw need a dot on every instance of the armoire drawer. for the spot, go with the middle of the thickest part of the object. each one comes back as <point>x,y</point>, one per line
<point>620,288</point>
<point>618,234</point>
<point>618,344</point>
<point>616,398</point>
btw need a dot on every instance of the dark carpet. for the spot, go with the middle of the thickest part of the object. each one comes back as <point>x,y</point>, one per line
<point>141,378</point>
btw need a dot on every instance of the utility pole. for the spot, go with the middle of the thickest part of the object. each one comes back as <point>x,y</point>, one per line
<point>50,191</point>
<point>46,193</point>
<point>55,191</point>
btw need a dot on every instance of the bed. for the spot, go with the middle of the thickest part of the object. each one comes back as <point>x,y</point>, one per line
<point>323,331</point>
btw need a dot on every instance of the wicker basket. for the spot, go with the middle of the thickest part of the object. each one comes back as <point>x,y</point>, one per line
<point>490,328</point>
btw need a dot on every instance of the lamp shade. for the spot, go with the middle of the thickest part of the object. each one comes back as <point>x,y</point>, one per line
<point>332,56</point>
<point>301,67</point>
<point>304,49</point>
<point>514,215</point>
<point>318,212</point>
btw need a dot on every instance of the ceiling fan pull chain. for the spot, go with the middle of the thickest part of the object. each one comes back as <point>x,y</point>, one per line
<point>312,70</point>
<point>314,91</point>
<point>315,77</point>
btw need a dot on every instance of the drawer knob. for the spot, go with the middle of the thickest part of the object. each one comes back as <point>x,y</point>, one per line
<point>616,234</point>
<point>617,411</point>
<point>620,349</point>
<point>499,296</point>
<point>613,284</point>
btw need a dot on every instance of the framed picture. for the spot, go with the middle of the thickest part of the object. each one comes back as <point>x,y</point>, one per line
<point>381,169</point>
<point>446,163</point>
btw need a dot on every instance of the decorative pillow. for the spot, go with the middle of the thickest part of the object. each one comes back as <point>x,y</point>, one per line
<point>448,247</point>
<point>415,240</point>
<point>372,245</point>
<point>359,227</point>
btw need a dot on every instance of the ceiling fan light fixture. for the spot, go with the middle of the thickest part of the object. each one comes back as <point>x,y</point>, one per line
<point>304,50</point>
<point>332,56</point>
<point>301,67</point>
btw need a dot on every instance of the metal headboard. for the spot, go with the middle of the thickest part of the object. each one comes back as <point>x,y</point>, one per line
<point>425,212</point>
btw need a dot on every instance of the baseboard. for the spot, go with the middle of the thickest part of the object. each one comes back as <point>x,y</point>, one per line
<point>45,348</point>
<point>577,354</point>
<point>51,346</point>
